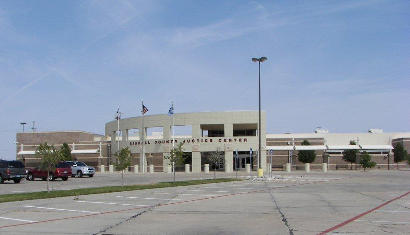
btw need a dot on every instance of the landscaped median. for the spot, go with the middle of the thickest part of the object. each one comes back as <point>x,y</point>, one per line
<point>106,189</point>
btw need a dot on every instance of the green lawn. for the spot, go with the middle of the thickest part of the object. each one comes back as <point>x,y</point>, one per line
<point>106,189</point>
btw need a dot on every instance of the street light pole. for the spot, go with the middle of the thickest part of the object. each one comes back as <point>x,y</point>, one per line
<point>260,170</point>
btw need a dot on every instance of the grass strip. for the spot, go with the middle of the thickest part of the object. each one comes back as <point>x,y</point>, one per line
<point>105,189</point>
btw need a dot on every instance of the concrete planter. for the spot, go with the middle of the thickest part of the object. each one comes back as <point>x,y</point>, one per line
<point>288,167</point>
<point>136,168</point>
<point>102,168</point>
<point>248,168</point>
<point>324,167</point>
<point>187,170</point>
<point>151,168</point>
<point>111,168</point>
<point>206,168</point>
<point>307,167</point>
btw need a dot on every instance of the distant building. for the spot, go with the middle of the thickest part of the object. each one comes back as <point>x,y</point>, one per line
<point>90,148</point>
<point>230,133</point>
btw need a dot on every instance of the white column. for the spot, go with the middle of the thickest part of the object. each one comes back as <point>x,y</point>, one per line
<point>228,161</point>
<point>206,168</point>
<point>136,168</point>
<point>248,168</point>
<point>288,167</point>
<point>151,168</point>
<point>324,167</point>
<point>111,168</point>
<point>307,167</point>
<point>186,168</point>
<point>196,162</point>
<point>102,168</point>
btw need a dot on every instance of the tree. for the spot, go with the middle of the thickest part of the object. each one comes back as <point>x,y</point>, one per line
<point>65,153</point>
<point>306,156</point>
<point>215,158</point>
<point>123,161</point>
<point>366,161</point>
<point>350,155</point>
<point>400,153</point>
<point>50,156</point>
<point>175,156</point>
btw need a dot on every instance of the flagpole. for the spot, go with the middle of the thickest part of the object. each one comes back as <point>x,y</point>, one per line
<point>118,128</point>
<point>173,129</point>
<point>143,141</point>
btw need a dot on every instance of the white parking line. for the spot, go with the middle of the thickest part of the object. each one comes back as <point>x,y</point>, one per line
<point>151,198</point>
<point>132,197</point>
<point>160,193</point>
<point>195,190</point>
<point>221,191</point>
<point>393,211</point>
<point>111,203</point>
<point>186,194</point>
<point>21,220</point>
<point>60,209</point>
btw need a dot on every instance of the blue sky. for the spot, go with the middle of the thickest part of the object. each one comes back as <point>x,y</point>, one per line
<point>342,65</point>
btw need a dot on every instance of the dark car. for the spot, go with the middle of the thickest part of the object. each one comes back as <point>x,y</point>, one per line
<point>63,170</point>
<point>12,170</point>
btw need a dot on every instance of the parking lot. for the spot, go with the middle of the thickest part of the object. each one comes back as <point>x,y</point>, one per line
<point>293,203</point>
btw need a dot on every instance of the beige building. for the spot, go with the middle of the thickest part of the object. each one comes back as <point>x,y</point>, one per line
<point>225,132</point>
<point>153,136</point>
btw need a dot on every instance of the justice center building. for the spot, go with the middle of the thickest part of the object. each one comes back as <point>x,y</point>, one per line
<point>225,132</point>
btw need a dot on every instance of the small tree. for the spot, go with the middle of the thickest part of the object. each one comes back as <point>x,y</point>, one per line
<point>175,156</point>
<point>123,161</point>
<point>306,156</point>
<point>350,155</point>
<point>214,158</point>
<point>50,156</point>
<point>65,153</point>
<point>400,153</point>
<point>366,161</point>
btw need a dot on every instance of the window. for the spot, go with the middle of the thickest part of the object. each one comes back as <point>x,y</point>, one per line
<point>16,164</point>
<point>62,165</point>
<point>81,164</point>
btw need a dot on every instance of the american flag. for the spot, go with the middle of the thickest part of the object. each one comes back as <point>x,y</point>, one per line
<point>144,109</point>
<point>171,110</point>
<point>118,114</point>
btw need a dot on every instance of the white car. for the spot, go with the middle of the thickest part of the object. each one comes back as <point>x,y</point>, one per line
<point>80,168</point>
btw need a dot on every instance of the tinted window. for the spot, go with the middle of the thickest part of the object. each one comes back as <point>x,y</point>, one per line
<point>16,164</point>
<point>70,163</point>
<point>3,164</point>
<point>62,165</point>
<point>81,164</point>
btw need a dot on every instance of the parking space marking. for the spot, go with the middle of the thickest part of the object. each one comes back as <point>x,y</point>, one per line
<point>132,197</point>
<point>195,190</point>
<point>160,193</point>
<point>186,194</point>
<point>111,203</point>
<point>21,220</point>
<point>138,207</point>
<point>387,211</point>
<point>221,191</point>
<point>362,214</point>
<point>61,209</point>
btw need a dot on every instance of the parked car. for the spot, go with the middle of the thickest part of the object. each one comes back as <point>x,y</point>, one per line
<point>12,170</point>
<point>80,168</point>
<point>63,170</point>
